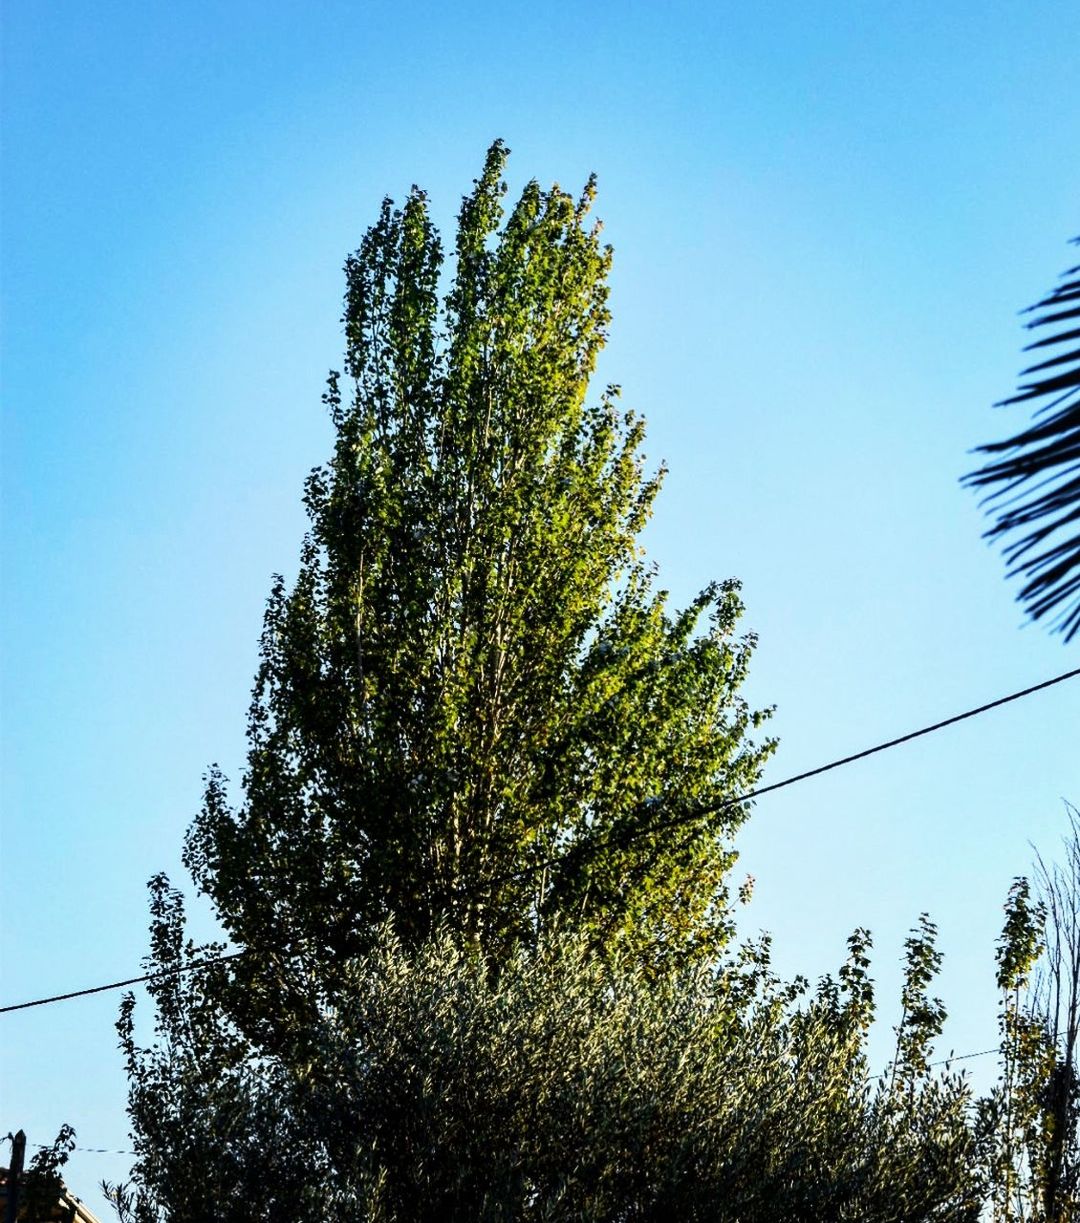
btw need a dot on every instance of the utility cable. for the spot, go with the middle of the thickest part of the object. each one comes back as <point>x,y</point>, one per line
<point>100,989</point>
<point>699,812</point>
<point>647,830</point>
<point>46,1146</point>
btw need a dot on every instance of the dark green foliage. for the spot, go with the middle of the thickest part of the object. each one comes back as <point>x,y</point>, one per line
<point>479,977</point>
<point>1030,1122</point>
<point>569,1088</point>
<point>472,706</point>
<point>472,675</point>
<point>1034,476</point>
<point>41,1184</point>
<point>1055,1004</point>
<point>922,1017</point>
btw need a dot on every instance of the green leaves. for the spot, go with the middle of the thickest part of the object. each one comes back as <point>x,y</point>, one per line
<point>477,870</point>
<point>472,684</point>
<point>923,1017</point>
<point>566,1087</point>
<point>1021,941</point>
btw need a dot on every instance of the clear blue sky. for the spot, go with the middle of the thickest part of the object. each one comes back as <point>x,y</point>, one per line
<point>825,218</point>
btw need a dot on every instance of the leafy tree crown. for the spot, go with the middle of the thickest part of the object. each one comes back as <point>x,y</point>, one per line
<point>472,704</point>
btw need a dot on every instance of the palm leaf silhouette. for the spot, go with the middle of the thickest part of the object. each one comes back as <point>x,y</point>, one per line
<point>1035,483</point>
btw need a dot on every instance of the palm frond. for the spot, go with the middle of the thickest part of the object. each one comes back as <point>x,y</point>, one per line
<point>1034,486</point>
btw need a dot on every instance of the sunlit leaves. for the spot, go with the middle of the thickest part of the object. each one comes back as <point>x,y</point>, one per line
<point>472,682</point>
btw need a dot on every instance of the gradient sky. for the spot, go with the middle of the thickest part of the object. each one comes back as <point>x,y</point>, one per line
<point>825,218</point>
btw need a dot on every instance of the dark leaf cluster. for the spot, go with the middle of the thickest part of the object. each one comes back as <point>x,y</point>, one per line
<point>1033,477</point>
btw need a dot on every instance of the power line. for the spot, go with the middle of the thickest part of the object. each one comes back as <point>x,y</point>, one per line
<point>944,1061</point>
<point>962,1057</point>
<point>100,989</point>
<point>46,1146</point>
<point>698,813</point>
<point>646,830</point>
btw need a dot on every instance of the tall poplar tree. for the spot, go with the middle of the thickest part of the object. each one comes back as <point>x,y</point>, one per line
<point>476,873</point>
<point>473,709</point>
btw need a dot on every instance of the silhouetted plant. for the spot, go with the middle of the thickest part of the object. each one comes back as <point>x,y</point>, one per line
<point>1034,477</point>
<point>570,1087</point>
<point>1031,1121</point>
<point>42,1184</point>
<point>1056,1004</point>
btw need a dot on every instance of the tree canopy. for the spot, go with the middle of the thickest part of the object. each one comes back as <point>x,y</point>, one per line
<point>476,879</point>
<point>472,704</point>
<point>566,1087</point>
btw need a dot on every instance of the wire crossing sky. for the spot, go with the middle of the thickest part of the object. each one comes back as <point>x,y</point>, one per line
<point>676,822</point>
